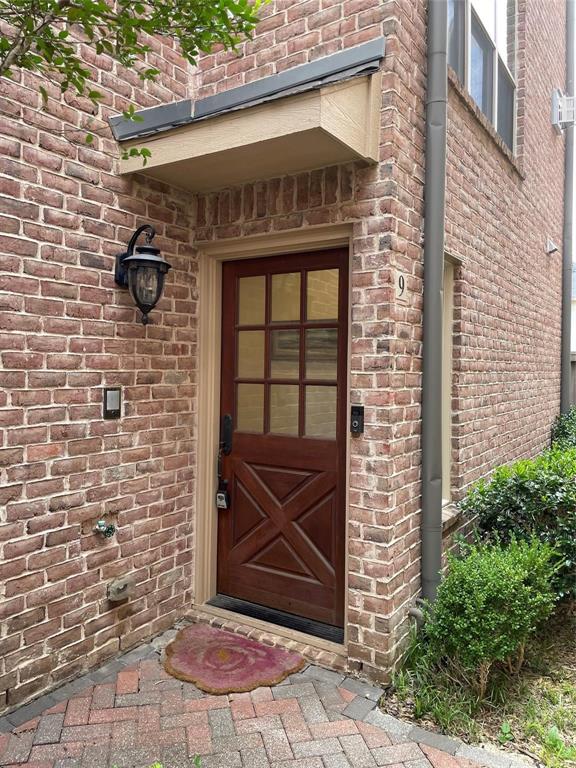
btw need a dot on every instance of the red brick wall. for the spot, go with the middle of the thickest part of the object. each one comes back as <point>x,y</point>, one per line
<point>500,212</point>
<point>66,331</point>
<point>290,33</point>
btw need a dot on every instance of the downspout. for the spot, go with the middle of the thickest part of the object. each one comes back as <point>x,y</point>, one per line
<point>565,369</point>
<point>434,206</point>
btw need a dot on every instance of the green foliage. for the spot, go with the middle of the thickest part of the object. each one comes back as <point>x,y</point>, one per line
<point>533,497</point>
<point>505,735</point>
<point>429,691</point>
<point>142,152</point>
<point>490,602</point>
<point>42,35</point>
<point>564,430</point>
<point>533,712</point>
<point>556,745</point>
<point>46,37</point>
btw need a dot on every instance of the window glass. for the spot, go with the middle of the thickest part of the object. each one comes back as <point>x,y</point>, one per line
<point>321,353</point>
<point>505,125</point>
<point>456,10</point>
<point>481,68</point>
<point>505,32</point>
<point>284,409</point>
<point>322,295</point>
<point>321,412</point>
<point>286,297</point>
<point>285,354</point>
<point>486,10</point>
<point>251,300</point>
<point>250,354</point>
<point>250,408</point>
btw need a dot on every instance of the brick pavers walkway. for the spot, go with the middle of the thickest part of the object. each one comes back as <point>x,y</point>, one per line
<point>136,715</point>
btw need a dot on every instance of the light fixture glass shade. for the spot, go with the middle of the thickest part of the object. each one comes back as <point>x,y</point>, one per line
<point>146,271</point>
<point>145,285</point>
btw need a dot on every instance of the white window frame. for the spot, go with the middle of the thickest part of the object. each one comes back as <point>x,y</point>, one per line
<point>468,11</point>
<point>447,375</point>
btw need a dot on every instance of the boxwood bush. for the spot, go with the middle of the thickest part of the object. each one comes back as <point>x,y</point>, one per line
<point>488,605</point>
<point>533,497</point>
<point>564,430</point>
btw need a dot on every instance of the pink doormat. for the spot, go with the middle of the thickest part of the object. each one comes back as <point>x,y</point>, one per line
<point>220,662</point>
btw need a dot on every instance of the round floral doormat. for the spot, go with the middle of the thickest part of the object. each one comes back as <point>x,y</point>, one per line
<point>220,662</point>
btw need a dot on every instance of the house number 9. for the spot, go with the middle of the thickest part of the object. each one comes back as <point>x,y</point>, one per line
<point>401,288</point>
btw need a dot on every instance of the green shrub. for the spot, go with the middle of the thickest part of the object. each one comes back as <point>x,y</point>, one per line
<point>488,605</point>
<point>564,430</point>
<point>533,497</point>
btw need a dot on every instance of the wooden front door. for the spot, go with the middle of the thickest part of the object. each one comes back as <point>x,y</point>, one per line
<point>281,543</point>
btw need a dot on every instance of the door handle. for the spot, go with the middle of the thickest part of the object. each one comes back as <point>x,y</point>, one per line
<point>226,435</point>
<point>225,448</point>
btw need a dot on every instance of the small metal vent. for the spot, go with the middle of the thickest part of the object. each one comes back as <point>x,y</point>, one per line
<point>563,110</point>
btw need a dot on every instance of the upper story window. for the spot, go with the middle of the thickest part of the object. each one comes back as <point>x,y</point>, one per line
<point>482,51</point>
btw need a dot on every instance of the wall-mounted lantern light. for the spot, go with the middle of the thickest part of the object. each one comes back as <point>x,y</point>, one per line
<point>142,272</point>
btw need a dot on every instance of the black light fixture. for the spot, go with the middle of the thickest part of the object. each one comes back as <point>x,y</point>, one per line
<point>142,272</point>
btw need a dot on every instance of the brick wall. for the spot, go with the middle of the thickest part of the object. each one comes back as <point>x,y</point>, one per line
<point>66,331</point>
<point>500,210</point>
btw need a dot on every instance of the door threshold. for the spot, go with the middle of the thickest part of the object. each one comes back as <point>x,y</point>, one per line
<point>313,632</point>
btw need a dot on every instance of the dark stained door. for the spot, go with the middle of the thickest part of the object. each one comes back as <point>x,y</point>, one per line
<point>281,544</point>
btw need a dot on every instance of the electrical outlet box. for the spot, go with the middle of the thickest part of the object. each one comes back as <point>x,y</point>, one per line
<point>112,403</point>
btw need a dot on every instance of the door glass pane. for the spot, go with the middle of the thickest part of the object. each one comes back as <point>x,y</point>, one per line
<point>286,297</point>
<point>285,354</point>
<point>321,412</point>
<point>250,354</point>
<point>251,300</point>
<point>321,353</point>
<point>322,296</point>
<point>284,409</point>
<point>250,408</point>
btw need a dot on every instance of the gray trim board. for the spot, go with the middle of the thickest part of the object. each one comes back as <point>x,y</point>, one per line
<point>159,118</point>
<point>309,73</point>
<point>360,60</point>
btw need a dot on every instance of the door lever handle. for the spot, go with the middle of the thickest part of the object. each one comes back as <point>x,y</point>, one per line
<point>226,434</point>
<point>225,448</point>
